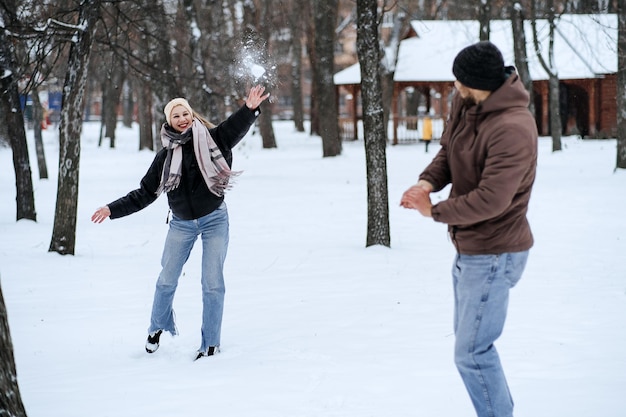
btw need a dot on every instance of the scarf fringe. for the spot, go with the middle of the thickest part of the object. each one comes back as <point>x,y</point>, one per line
<point>171,184</point>
<point>223,182</point>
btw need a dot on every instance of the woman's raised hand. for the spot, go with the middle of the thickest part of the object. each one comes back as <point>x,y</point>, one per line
<point>256,97</point>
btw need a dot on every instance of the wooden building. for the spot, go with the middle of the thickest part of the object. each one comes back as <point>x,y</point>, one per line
<point>585,58</point>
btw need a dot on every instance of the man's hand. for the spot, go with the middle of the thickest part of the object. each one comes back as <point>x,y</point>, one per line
<point>418,198</point>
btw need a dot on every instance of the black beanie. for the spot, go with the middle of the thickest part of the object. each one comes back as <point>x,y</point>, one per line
<point>480,66</point>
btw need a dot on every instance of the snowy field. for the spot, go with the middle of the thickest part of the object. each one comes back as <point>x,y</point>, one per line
<point>315,325</point>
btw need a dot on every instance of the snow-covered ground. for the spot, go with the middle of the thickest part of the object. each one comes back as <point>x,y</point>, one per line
<point>315,324</point>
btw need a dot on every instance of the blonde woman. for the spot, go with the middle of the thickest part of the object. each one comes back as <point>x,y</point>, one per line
<point>194,170</point>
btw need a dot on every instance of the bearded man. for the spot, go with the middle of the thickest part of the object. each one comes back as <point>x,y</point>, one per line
<point>489,156</point>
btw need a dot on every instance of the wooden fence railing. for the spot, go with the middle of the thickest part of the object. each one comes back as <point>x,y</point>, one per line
<point>407,129</point>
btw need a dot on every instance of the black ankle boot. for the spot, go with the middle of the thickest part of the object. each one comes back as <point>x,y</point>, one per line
<point>152,344</point>
<point>212,350</point>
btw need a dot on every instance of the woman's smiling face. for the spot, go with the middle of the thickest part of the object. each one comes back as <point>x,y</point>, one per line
<point>180,118</point>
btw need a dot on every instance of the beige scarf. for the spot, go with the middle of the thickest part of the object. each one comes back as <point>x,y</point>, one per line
<point>215,171</point>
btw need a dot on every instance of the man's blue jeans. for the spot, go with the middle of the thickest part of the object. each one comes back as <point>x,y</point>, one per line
<point>213,229</point>
<point>481,297</point>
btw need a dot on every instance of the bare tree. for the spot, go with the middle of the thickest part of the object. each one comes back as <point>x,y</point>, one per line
<point>144,114</point>
<point>10,398</point>
<point>128,102</point>
<point>295,22</point>
<point>256,33</point>
<point>64,231</point>
<point>519,49</point>
<point>132,35</point>
<point>308,16</point>
<point>548,65</point>
<point>38,118</point>
<point>621,85</point>
<point>401,25</point>
<point>111,93</point>
<point>154,53</point>
<point>368,49</point>
<point>265,118</point>
<point>141,49</point>
<point>325,16</point>
<point>197,77</point>
<point>141,79</point>
<point>11,109</point>
<point>112,68</point>
<point>484,18</point>
<point>140,45</point>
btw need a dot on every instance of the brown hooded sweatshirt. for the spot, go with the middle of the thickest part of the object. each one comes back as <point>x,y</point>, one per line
<point>489,155</point>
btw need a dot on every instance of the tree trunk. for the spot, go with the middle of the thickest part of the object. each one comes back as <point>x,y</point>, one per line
<point>129,104</point>
<point>401,25</point>
<point>64,230</point>
<point>111,100</point>
<point>484,18</point>
<point>144,115</point>
<point>387,85</point>
<point>38,116</point>
<point>265,119</point>
<point>296,66</point>
<point>373,118</point>
<point>325,13</point>
<point>10,398</point>
<point>11,109</point>
<point>555,112</point>
<point>548,66</point>
<point>4,136</point>
<point>265,127</point>
<point>519,46</point>
<point>621,85</point>
<point>309,23</point>
<point>158,87</point>
<point>258,21</point>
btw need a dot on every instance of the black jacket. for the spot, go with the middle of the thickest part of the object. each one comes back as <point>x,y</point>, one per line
<point>192,198</point>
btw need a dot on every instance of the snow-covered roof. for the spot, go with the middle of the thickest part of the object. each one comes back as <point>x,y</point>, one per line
<point>585,46</point>
<point>350,75</point>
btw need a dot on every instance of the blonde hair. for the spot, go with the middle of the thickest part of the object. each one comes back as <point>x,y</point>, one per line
<point>204,121</point>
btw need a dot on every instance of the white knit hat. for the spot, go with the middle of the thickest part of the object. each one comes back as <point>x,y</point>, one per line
<point>173,103</point>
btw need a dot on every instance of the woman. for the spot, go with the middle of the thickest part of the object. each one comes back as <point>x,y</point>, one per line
<point>194,169</point>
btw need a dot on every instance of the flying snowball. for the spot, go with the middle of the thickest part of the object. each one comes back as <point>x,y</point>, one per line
<point>257,70</point>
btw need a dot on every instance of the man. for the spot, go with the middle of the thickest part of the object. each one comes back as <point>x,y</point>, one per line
<point>489,155</point>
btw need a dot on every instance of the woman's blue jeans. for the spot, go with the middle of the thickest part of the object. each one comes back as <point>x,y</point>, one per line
<point>481,297</point>
<point>213,229</point>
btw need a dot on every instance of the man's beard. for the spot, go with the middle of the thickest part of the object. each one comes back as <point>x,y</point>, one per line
<point>469,101</point>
